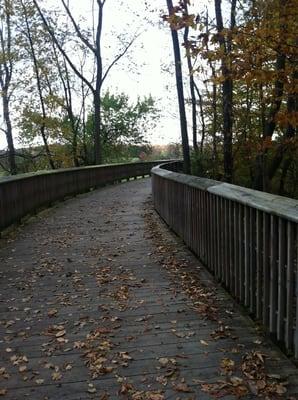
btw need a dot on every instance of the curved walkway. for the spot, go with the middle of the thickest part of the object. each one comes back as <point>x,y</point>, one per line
<point>100,301</point>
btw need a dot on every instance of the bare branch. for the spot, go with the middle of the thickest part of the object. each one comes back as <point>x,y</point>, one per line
<point>125,50</point>
<point>77,29</point>
<point>51,33</point>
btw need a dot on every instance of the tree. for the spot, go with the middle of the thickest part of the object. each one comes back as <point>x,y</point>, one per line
<point>227,85</point>
<point>74,122</point>
<point>37,72</point>
<point>100,74</point>
<point>124,124</point>
<point>254,60</point>
<point>191,84</point>
<point>179,85</point>
<point>7,55</point>
<point>282,34</point>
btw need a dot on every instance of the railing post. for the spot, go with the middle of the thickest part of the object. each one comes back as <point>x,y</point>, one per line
<point>247,239</point>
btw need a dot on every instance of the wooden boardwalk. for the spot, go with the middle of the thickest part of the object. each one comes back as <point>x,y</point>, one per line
<point>100,301</point>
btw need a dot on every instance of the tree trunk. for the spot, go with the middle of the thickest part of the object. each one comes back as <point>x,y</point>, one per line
<point>97,130</point>
<point>85,150</point>
<point>8,133</point>
<point>39,89</point>
<point>227,90</point>
<point>97,91</point>
<point>68,107</point>
<point>214,108</point>
<point>214,127</point>
<point>191,86</point>
<point>262,110</point>
<point>261,179</point>
<point>96,51</point>
<point>180,92</point>
<point>284,172</point>
<point>202,118</point>
<point>261,173</point>
<point>46,146</point>
<point>6,70</point>
<point>73,123</point>
<point>291,131</point>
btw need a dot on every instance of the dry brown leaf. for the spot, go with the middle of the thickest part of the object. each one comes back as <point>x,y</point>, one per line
<point>60,333</point>
<point>91,388</point>
<point>236,381</point>
<point>56,376</point>
<point>125,356</point>
<point>204,343</point>
<point>52,313</point>
<point>182,387</point>
<point>154,396</point>
<point>125,388</point>
<point>280,389</point>
<point>22,368</point>
<point>163,361</point>
<point>104,396</point>
<point>227,363</point>
<point>3,373</point>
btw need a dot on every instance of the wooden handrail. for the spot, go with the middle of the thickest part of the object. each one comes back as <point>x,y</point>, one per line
<point>247,239</point>
<point>26,193</point>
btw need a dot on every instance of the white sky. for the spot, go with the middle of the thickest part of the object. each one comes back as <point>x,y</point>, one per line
<point>141,73</point>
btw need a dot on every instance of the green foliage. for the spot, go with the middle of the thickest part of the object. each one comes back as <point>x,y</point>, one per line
<point>124,127</point>
<point>123,123</point>
<point>31,122</point>
<point>201,164</point>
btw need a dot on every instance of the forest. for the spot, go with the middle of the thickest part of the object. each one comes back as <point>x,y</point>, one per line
<point>236,69</point>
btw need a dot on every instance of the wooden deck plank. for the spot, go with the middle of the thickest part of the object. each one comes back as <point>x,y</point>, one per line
<point>106,264</point>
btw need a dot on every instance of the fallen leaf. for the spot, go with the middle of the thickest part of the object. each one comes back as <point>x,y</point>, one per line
<point>91,388</point>
<point>154,396</point>
<point>235,380</point>
<point>60,333</point>
<point>125,388</point>
<point>3,373</point>
<point>56,376</point>
<point>104,396</point>
<point>227,363</point>
<point>280,389</point>
<point>163,361</point>
<point>125,356</point>
<point>52,313</point>
<point>182,387</point>
<point>204,343</point>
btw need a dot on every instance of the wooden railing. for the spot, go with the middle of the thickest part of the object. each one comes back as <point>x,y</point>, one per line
<point>246,238</point>
<point>24,194</point>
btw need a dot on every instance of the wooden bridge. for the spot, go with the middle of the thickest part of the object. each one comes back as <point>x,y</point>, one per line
<point>100,300</point>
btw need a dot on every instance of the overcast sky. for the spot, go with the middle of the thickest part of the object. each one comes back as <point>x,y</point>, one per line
<point>143,72</point>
